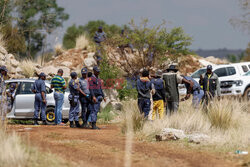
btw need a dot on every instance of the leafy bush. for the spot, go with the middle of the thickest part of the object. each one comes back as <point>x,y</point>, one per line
<point>128,91</point>
<point>105,115</point>
<point>28,68</point>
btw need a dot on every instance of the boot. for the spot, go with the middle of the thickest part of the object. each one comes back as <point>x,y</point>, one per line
<point>72,124</point>
<point>94,126</point>
<point>44,123</point>
<point>77,124</point>
<point>35,122</point>
<point>84,125</point>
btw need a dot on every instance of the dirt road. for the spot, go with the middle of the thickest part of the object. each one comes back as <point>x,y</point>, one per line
<point>106,148</point>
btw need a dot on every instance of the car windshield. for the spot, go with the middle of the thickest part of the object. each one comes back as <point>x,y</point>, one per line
<point>247,74</point>
<point>198,73</point>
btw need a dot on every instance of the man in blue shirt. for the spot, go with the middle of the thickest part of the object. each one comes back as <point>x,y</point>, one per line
<point>144,87</point>
<point>84,98</point>
<point>59,85</point>
<point>95,87</point>
<point>39,89</point>
<point>193,87</point>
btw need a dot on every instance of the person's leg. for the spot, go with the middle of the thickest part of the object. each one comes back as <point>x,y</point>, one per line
<point>169,108</point>
<point>60,106</point>
<point>146,107</point>
<point>154,109</point>
<point>140,105</point>
<point>195,100</point>
<point>36,112</point>
<point>56,107</point>
<point>161,109</point>
<point>43,111</point>
<point>83,112</point>
<point>175,106</point>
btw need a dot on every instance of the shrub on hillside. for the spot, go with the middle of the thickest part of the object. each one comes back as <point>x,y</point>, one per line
<point>28,68</point>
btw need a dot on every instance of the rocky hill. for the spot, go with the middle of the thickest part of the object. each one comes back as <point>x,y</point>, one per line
<point>75,59</point>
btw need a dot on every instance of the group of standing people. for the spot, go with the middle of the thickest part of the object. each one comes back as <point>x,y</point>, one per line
<point>86,91</point>
<point>163,87</point>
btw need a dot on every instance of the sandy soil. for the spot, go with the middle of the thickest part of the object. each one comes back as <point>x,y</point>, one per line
<point>106,148</point>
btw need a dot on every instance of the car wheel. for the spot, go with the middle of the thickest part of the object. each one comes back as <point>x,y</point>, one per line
<point>247,94</point>
<point>65,121</point>
<point>50,116</point>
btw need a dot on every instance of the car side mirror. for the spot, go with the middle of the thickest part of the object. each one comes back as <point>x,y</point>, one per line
<point>50,91</point>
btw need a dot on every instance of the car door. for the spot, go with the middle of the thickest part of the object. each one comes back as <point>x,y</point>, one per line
<point>24,102</point>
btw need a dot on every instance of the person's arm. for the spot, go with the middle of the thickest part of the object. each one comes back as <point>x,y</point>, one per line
<point>64,84</point>
<point>189,91</point>
<point>43,90</point>
<point>91,89</point>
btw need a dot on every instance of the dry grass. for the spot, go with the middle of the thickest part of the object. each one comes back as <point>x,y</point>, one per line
<point>227,123</point>
<point>2,41</point>
<point>59,49</point>
<point>28,68</point>
<point>14,152</point>
<point>82,42</point>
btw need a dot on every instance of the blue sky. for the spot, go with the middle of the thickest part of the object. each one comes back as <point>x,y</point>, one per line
<point>207,21</point>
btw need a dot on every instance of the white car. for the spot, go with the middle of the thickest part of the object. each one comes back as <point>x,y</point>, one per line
<point>230,77</point>
<point>23,107</point>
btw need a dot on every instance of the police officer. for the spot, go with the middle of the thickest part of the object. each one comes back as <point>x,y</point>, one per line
<point>74,88</point>
<point>11,95</point>
<point>3,73</point>
<point>85,97</point>
<point>99,38</point>
<point>194,88</point>
<point>39,89</point>
<point>95,87</point>
<point>210,83</point>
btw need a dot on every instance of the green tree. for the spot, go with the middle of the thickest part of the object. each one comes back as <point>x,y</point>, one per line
<point>232,58</point>
<point>15,42</point>
<point>247,57</point>
<point>5,10</point>
<point>152,43</point>
<point>69,38</point>
<point>89,29</point>
<point>36,19</point>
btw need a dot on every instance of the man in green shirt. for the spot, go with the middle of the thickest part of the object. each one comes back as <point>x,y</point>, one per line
<point>59,85</point>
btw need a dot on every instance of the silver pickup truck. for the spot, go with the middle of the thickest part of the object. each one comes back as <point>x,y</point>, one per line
<point>23,107</point>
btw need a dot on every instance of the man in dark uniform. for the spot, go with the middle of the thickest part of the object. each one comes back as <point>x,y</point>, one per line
<point>84,98</point>
<point>99,38</point>
<point>11,95</point>
<point>211,85</point>
<point>74,88</point>
<point>95,87</point>
<point>3,103</point>
<point>39,89</point>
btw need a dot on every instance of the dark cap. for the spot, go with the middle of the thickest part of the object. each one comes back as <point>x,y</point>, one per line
<point>96,69</point>
<point>12,86</point>
<point>3,68</point>
<point>73,74</point>
<point>209,67</point>
<point>42,74</point>
<point>172,68</point>
<point>84,71</point>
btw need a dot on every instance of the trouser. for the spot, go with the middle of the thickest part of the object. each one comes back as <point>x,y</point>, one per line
<point>94,109</point>
<point>172,107</point>
<point>144,106</point>
<point>158,106</point>
<point>59,99</point>
<point>85,109</point>
<point>74,112</point>
<point>39,105</point>
<point>197,97</point>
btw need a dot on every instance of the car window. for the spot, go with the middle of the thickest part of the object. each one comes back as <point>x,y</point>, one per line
<point>247,74</point>
<point>244,68</point>
<point>198,73</point>
<point>231,71</point>
<point>249,66</point>
<point>26,88</point>
<point>221,72</point>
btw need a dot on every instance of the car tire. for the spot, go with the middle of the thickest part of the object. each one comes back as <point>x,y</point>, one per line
<point>247,94</point>
<point>50,115</point>
<point>65,121</point>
